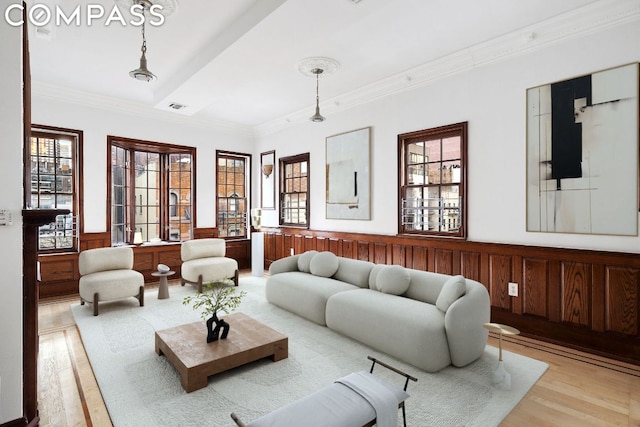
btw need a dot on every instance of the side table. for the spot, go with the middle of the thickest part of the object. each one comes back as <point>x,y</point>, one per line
<point>163,290</point>
<point>500,377</point>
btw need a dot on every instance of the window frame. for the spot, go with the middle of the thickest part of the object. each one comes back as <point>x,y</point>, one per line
<point>232,155</point>
<point>77,214</point>
<point>164,150</point>
<point>283,162</point>
<point>455,130</point>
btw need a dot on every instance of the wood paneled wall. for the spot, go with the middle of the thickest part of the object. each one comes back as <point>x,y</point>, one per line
<point>60,274</point>
<point>587,300</point>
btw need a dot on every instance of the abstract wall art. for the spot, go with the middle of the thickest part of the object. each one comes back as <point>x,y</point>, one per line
<point>582,154</point>
<point>347,175</point>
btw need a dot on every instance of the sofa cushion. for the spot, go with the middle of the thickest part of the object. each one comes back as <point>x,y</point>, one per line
<point>103,259</point>
<point>211,269</point>
<point>202,248</point>
<point>303,294</point>
<point>354,271</point>
<point>409,330</point>
<point>324,264</point>
<point>393,279</point>
<point>425,285</point>
<point>373,276</point>
<point>111,284</point>
<point>453,289</point>
<point>304,261</point>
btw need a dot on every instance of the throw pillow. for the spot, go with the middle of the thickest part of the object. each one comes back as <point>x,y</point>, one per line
<point>393,279</point>
<point>324,264</point>
<point>452,289</point>
<point>373,276</point>
<point>304,261</point>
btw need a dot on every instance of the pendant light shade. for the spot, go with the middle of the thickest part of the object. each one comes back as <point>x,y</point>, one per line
<point>317,117</point>
<point>143,72</point>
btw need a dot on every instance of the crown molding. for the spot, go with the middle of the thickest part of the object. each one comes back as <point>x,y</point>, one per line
<point>590,19</point>
<point>117,105</point>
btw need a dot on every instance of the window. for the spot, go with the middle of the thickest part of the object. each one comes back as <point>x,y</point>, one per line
<point>56,156</point>
<point>150,190</point>
<point>233,184</point>
<point>294,190</point>
<point>432,169</point>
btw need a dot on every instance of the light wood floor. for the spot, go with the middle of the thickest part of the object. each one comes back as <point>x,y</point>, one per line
<point>578,389</point>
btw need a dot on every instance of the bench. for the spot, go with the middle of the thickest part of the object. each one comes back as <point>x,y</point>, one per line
<point>358,399</point>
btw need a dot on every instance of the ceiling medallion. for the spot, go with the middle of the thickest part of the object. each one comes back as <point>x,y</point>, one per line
<point>308,66</point>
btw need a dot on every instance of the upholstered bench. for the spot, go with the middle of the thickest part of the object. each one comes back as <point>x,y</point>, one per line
<point>358,399</point>
<point>107,274</point>
<point>204,260</point>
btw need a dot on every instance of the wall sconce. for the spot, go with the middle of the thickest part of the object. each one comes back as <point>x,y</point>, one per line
<point>267,170</point>
<point>137,238</point>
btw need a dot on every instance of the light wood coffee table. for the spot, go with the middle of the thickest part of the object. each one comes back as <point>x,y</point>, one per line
<point>195,360</point>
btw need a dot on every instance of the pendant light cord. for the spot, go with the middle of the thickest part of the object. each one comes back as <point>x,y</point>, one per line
<point>144,37</point>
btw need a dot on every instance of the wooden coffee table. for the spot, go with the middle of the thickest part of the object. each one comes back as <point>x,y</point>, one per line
<point>195,360</point>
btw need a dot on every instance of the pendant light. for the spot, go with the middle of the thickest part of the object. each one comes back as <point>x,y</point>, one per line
<point>143,73</point>
<point>313,67</point>
<point>317,117</point>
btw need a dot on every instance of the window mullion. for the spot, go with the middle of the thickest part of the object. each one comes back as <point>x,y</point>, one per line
<point>130,219</point>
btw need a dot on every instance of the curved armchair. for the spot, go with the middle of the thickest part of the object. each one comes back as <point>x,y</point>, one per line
<point>204,260</point>
<point>107,274</point>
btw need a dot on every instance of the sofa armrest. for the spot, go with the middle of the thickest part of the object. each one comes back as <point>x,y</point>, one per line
<point>283,265</point>
<point>463,323</point>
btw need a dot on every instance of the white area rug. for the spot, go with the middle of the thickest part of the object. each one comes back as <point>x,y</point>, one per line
<point>141,388</point>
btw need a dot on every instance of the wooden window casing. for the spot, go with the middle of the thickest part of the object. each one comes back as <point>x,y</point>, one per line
<point>150,189</point>
<point>55,182</point>
<point>432,171</point>
<point>233,194</point>
<point>294,191</point>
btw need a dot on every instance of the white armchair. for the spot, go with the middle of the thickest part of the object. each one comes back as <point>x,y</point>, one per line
<point>204,260</point>
<point>107,274</point>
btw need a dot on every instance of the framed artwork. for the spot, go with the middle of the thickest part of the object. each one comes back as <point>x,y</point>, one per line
<point>267,180</point>
<point>348,175</point>
<point>582,154</point>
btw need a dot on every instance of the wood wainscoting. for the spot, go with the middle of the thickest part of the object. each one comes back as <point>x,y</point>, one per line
<point>587,300</point>
<point>59,272</point>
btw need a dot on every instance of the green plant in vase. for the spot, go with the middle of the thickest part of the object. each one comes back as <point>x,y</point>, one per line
<point>215,297</point>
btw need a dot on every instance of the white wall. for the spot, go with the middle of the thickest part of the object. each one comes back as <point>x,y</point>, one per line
<point>492,99</point>
<point>11,236</point>
<point>98,123</point>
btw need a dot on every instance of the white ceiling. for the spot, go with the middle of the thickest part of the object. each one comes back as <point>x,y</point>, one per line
<point>235,62</point>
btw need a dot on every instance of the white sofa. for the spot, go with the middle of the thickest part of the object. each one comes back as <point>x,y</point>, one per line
<point>429,320</point>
